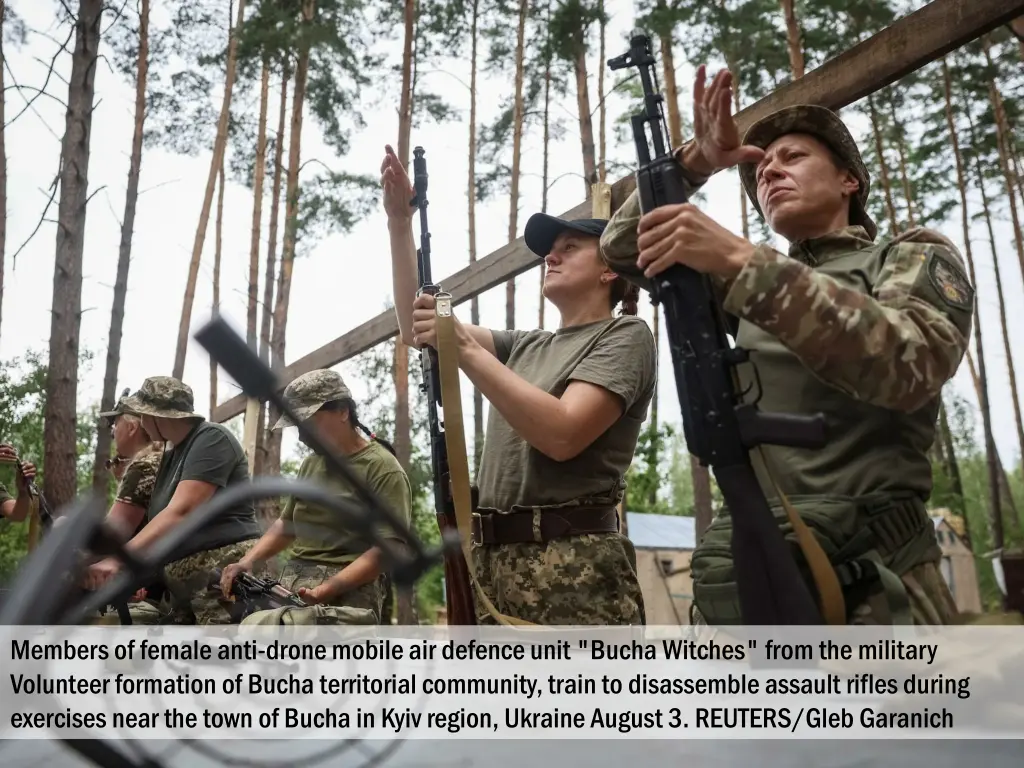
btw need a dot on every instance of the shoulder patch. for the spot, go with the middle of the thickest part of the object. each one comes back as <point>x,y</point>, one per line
<point>950,283</point>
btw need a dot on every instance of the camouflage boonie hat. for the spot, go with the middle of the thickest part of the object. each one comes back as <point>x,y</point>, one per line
<point>118,410</point>
<point>307,394</point>
<point>163,397</point>
<point>824,125</point>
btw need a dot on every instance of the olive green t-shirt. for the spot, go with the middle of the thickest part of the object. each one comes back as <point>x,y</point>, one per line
<point>5,494</point>
<point>617,354</point>
<point>323,535</point>
<point>212,454</point>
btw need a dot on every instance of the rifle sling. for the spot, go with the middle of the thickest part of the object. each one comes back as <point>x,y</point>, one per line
<point>455,440</point>
<point>826,580</point>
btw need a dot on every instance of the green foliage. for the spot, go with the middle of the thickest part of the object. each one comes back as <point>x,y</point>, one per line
<point>646,475</point>
<point>22,393</point>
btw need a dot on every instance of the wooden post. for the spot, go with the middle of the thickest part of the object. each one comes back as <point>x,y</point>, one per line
<point>252,414</point>
<point>601,200</point>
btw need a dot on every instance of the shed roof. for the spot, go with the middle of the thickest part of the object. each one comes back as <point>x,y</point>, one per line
<point>648,531</point>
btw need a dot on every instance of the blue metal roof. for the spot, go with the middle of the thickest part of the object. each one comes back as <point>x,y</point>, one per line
<point>648,531</point>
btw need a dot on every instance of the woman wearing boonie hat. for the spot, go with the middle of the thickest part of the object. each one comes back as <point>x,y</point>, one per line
<point>202,458</point>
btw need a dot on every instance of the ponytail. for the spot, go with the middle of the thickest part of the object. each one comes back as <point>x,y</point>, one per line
<point>627,293</point>
<point>349,405</point>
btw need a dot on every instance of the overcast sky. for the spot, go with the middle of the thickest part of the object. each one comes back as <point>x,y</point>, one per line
<point>345,279</point>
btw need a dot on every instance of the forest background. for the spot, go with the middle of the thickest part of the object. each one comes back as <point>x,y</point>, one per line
<point>160,161</point>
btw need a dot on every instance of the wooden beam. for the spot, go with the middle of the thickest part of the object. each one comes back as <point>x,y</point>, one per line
<point>904,47</point>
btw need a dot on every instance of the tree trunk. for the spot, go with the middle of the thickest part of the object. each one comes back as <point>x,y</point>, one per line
<point>1004,480</point>
<point>257,209</point>
<point>478,399</point>
<point>901,150</point>
<point>3,166</point>
<point>1007,347</point>
<point>218,232</point>
<point>219,146</point>
<point>100,476</point>
<point>701,496</point>
<point>1003,143</point>
<point>796,53</point>
<point>517,153</point>
<point>403,444</point>
<point>952,465</point>
<point>403,439</point>
<point>284,282</point>
<point>268,453</point>
<point>886,187</point>
<point>60,431</point>
<point>586,123</point>
<point>995,513</point>
<point>668,68</point>
<point>601,110</point>
<point>547,146</point>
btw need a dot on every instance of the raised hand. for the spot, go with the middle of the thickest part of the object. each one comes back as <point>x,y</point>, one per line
<point>398,190</point>
<point>716,135</point>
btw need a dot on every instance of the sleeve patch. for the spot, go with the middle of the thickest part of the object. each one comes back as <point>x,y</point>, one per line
<point>950,283</point>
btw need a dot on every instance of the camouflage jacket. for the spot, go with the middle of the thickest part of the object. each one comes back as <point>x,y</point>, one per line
<point>867,333</point>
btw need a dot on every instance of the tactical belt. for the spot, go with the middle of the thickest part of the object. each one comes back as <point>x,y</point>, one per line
<point>891,541</point>
<point>540,526</point>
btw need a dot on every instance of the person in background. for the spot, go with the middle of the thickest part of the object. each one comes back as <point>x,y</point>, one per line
<point>566,412</point>
<point>202,460</point>
<point>330,564</point>
<point>16,509</point>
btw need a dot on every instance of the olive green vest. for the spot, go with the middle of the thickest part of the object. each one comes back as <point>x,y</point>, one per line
<point>864,493</point>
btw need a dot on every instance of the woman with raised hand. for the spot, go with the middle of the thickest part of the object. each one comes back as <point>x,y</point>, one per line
<point>566,412</point>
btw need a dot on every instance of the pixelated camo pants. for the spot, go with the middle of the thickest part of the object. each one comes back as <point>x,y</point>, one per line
<point>302,574</point>
<point>187,580</point>
<point>579,580</point>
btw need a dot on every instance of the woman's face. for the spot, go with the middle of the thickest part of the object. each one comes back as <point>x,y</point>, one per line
<point>574,267</point>
<point>122,433</point>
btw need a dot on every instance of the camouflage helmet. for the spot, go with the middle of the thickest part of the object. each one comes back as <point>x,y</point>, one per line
<point>824,125</point>
<point>310,392</point>
<point>163,397</point>
<point>108,417</point>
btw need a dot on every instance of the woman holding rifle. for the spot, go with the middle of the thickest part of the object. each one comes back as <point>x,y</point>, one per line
<point>567,408</point>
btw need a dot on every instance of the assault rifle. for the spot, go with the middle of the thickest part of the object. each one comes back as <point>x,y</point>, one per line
<point>256,594</point>
<point>720,430</point>
<point>458,590</point>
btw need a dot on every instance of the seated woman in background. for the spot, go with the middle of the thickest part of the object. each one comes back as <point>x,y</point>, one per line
<point>330,564</point>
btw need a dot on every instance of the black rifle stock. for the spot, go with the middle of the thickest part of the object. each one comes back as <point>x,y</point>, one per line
<point>257,594</point>
<point>719,429</point>
<point>458,590</point>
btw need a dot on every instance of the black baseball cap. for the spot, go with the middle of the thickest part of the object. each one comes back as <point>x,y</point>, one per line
<point>542,230</point>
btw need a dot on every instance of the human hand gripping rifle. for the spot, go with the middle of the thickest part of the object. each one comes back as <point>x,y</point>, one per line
<point>721,430</point>
<point>256,594</point>
<point>458,590</point>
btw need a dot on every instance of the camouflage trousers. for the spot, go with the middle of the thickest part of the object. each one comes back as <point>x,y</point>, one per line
<point>188,579</point>
<point>931,602</point>
<point>589,579</point>
<point>299,574</point>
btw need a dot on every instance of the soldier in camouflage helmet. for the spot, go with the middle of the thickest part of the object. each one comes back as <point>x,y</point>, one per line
<point>865,331</point>
<point>566,412</point>
<point>201,460</point>
<point>330,565</point>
